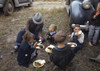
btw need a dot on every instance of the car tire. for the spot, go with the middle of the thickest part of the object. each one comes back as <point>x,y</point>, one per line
<point>67,2</point>
<point>30,5</point>
<point>8,7</point>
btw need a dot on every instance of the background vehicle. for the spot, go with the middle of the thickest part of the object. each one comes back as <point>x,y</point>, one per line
<point>9,5</point>
<point>94,2</point>
<point>79,13</point>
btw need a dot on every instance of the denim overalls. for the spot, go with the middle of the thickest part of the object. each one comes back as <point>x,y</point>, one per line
<point>75,40</point>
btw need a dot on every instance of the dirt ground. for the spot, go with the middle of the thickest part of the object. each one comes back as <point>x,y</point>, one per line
<point>10,26</point>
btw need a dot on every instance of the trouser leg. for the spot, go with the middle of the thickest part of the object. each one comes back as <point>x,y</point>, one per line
<point>19,39</point>
<point>96,34</point>
<point>91,33</point>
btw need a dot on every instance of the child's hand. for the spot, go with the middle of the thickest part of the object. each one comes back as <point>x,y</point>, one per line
<point>78,35</point>
<point>35,44</point>
<point>69,36</point>
<point>47,36</point>
<point>40,38</point>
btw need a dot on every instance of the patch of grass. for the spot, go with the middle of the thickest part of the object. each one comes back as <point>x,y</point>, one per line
<point>55,16</point>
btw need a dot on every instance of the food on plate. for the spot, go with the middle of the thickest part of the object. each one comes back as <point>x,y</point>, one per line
<point>72,44</point>
<point>39,46</point>
<point>39,63</point>
<point>49,48</point>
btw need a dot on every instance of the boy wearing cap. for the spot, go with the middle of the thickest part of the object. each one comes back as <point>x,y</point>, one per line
<point>62,55</point>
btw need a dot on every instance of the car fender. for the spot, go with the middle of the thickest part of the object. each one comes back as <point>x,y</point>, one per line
<point>16,2</point>
<point>79,15</point>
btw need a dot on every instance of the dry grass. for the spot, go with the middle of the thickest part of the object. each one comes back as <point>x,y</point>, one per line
<point>9,27</point>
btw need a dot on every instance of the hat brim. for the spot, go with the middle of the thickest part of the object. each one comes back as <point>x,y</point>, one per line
<point>40,22</point>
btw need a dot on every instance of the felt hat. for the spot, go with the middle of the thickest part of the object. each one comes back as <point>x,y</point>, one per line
<point>37,18</point>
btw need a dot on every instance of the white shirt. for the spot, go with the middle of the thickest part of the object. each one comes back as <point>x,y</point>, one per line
<point>81,39</point>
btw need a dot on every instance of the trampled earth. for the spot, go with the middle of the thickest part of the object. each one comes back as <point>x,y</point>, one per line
<point>56,14</point>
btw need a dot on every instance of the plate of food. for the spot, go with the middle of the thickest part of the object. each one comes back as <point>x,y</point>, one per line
<point>39,46</point>
<point>39,63</point>
<point>49,48</point>
<point>72,44</point>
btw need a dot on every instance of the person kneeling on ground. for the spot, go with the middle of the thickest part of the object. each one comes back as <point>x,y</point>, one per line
<point>62,55</point>
<point>27,50</point>
<point>34,25</point>
<point>77,37</point>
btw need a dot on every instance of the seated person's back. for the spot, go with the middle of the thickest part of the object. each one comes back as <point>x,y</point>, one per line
<point>62,54</point>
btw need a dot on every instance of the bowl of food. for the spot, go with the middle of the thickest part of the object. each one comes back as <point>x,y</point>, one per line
<point>39,63</point>
<point>72,44</point>
<point>40,46</point>
<point>49,48</point>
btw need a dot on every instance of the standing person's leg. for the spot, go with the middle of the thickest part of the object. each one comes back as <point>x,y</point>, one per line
<point>96,35</point>
<point>67,2</point>
<point>19,39</point>
<point>90,34</point>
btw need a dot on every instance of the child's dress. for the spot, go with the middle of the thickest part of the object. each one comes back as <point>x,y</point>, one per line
<point>24,54</point>
<point>51,37</point>
<point>62,56</point>
<point>78,41</point>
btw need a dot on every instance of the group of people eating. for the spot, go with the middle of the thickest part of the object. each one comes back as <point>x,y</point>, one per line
<point>62,54</point>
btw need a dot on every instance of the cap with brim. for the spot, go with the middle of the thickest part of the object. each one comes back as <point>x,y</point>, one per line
<point>37,18</point>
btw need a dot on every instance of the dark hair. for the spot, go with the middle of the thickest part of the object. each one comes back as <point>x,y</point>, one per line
<point>77,25</point>
<point>28,36</point>
<point>60,37</point>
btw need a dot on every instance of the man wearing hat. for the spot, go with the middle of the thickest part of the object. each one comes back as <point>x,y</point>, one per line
<point>34,25</point>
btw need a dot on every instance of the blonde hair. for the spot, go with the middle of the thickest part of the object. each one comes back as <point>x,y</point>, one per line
<point>98,7</point>
<point>52,27</point>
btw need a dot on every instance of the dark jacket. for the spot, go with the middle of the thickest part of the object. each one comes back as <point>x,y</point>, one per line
<point>32,30</point>
<point>51,38</point>
<point>24,54</point>
<point>36,33</point>
<point>62,57</point>
<point>94,20</point>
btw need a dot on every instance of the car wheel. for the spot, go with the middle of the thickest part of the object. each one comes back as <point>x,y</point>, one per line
<point>67,2</point>
<point>30,5</point>
<point>8,7</point>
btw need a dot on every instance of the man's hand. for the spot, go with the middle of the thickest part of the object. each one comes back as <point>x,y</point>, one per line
<point>35,44</point>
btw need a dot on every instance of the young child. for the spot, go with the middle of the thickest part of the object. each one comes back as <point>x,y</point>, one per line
<point>51,33</point>
<point>62,55</point>
<point>77,37</point>
<point>26,50</point>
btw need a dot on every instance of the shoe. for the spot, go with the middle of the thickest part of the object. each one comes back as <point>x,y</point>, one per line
<point>94,44</point>
<point>96,59</point>
<point>15,48</point>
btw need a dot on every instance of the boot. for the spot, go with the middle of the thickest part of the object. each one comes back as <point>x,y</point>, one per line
<point>96,59</point>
